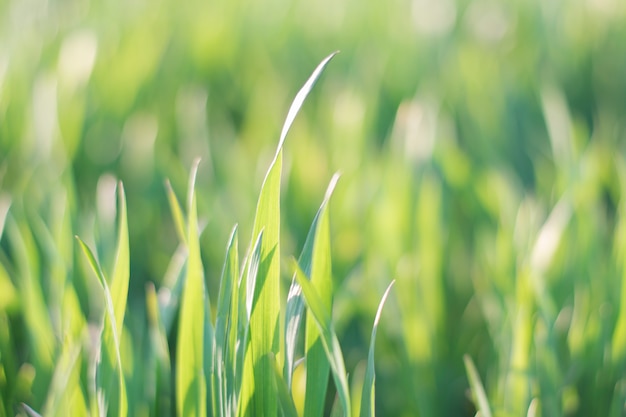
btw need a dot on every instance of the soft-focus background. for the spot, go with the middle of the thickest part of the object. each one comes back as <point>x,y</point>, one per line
<point>481,145</point>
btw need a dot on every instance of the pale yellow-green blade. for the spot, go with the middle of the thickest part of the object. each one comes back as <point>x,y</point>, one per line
<point>111,343</point>
<point>368,397</point>
<point>329,338</point>
<point>191,389</point>
<point>478,391</point>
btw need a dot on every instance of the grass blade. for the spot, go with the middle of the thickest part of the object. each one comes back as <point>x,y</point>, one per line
<point>329,338</point>
<point>109,338</point>
<point>177,212</point>
<point>478,391</point>
<point>191,387</point>
<point>258,398</point>
<point>223,361</point>
<point>121,268</point>
<point>368,398</point>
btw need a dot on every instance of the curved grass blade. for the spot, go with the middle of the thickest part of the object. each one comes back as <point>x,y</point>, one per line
<point>478,391</point>
<point>329,338</point>
<point>177,212</point>
<point>121,268</point>
<point>160,357</point>
<point>223,361</point>
<point>368,398</point>
<point>300,97</point>
<point>264,330</point>
<point>191,387</point>
<point>109,338</point>
<point>287,407</point>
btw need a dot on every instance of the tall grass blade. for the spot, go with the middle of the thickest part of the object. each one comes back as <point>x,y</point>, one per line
<point>121,268</point>
<point>223,361</point>
<point>329,338</point>
<point>478,391</point>
<point>191,387</point>
<point>368,398</point>
<point>287,406</point>
<point>160,356</point>
<point>264,330</point>
<point>177,212</point>
<point>109,339</point>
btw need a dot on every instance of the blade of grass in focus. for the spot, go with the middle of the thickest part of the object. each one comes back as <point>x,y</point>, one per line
<point>191,387</point>
<point>329,338</point>
<point>222,374</point>
<point>265,333</point>
<point>110,341</point>
<point>368,398</point>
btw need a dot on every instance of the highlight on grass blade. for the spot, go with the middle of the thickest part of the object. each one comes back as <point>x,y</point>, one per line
<point>478,391</point>
<point>112,342</point>
<point>265,334</point>
<point>295,304</point>
<point>368,398</point>
<point>329,338</point>
<point>191,384</point>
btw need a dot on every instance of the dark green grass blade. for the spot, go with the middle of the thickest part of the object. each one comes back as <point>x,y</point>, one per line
<point>191,387</point>
<point>368,397</point>
<point>257,395</point>
<point>329,338</point>
<point>480,397</point>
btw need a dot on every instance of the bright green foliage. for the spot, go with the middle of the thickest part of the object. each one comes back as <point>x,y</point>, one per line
<point>109,369</point>
<point>191,381</point>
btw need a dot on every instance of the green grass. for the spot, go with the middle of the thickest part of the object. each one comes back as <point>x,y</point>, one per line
<point>480,146</point>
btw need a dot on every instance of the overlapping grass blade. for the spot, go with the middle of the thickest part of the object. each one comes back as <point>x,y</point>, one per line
<point>160,355</point>
<point>287,407</point>
<point>177,212</point>
<point>223,361</point>
<point>258,399</point>
<point>245,378</point>
<point>329,338</point>
<point>64,387</point>
<point>191,386</point>
<point>368,398</point>
<point>478,391</point>
<point>109,339</point>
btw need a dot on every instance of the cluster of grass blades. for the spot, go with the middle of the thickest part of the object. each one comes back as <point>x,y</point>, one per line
<point>242,362</point>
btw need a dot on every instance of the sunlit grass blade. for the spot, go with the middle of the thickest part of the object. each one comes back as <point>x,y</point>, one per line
<point>329,338</point>
<point>161,368</point>
<point>368,398</point>
<point>317,365</point>
<point>177,212</point>
<point>111,342</point>
<point>264,330</point>
<point>286,404</point>
<point>191,387</point>
<point>244,370</point>
<point>30,411</point>
<point>478,391</point>
<point>300,97</point>
<point>223,361</point>
<point>121,268</point>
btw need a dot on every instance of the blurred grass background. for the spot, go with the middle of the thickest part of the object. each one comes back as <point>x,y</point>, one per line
<point>482,151</point>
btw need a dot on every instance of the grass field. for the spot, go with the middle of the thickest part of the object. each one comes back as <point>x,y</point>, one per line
<point>199,218</point>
